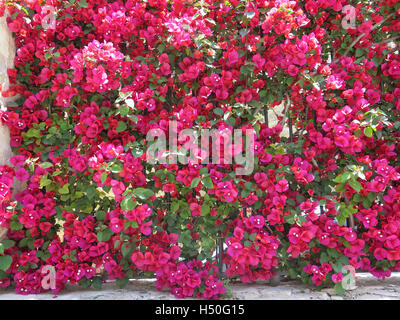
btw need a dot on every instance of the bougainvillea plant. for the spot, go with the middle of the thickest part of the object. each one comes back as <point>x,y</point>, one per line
<point>92,77</point>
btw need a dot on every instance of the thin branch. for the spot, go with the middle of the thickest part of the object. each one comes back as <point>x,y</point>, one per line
<point>266,118</point>
<point>306,116</point>
<point>364,34</point>
<point>314,162</point>
<point>285,112</point>
<point>258,109</point>
<point>351,218</point>
<point>387,40</point>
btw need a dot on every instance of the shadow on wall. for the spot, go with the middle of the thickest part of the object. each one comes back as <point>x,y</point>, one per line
<point>7,54</point>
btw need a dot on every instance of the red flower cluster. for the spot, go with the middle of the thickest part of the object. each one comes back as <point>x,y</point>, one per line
<point>324,192</point>
<point>252,252</point>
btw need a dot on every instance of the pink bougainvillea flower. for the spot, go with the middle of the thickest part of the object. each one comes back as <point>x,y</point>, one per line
<point>21,174</point>
<point>282,185</point>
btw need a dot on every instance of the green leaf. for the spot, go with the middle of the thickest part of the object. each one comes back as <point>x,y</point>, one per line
<point>343,178</point>
<point>91,192</point>
<point>355,185</point>
<point>371,196</point>
<point>337,267</point>
<point>127,204</point>
<point>218,111</point>
<point>72,256</point>
<point>292,273</point>
<point>121,283</point>
<point>368,132</point>
<point>205,209</point>
<point>121,126</point>
<point>195,182</point>
<point>85,282</point>
<point>44,181</point>
<point>16,225</point>
<point>366,203</point>
<point>43,255</point>
<point>344,260</point>
<point>5,262</point>
<point>324,257</point>
<point>231,121</point>
<point>174,206</point>
<point>359,52</point>
<point>46,165</point>
<point>245,193</point>
<point>103,177</point>
<point>341,187</point>
<point>257,205</point>
<point>131,224</point>
<point>13,104</point>
<point>207,182</point>
<point>143,193</point>
<point>6,244</point>
<point>289,81</point>
<point>105,235</point>
<point>83,4</point>
<point>123,110</point>
<point>97,283</point>
<point>100,215</point>
<point>64,189</point>
<point>358,133</point>
<point>33,133</point>
<point>339,289</point>
<point>137,152</point>
<point>300,198</point>
<point>134,118</point>
<point>341,218</point>
<point>126,249</point>
<point>116,167</point>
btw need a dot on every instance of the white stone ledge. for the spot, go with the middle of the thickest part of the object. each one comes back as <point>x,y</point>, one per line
<point>368,287</point>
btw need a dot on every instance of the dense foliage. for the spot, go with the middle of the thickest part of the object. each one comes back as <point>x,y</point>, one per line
<point>89,90</point>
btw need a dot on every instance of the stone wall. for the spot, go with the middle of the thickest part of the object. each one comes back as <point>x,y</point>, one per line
<point>7,53</point>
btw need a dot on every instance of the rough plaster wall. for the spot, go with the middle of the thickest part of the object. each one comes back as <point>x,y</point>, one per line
<point>7,53</point>
<point>273,119</point>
